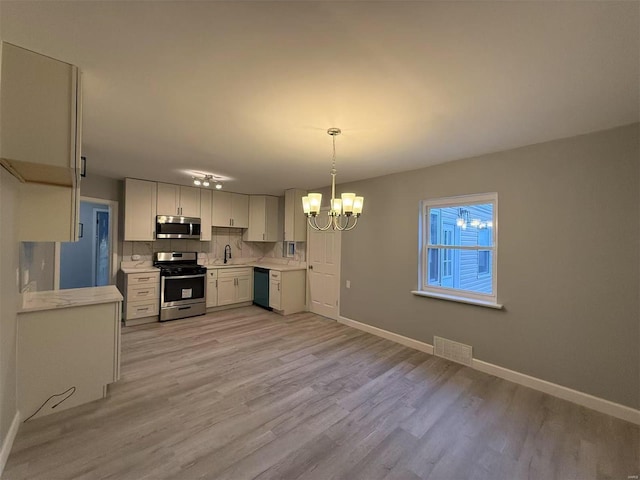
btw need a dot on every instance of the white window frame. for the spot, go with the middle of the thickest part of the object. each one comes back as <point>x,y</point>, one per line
<point>448,293</point>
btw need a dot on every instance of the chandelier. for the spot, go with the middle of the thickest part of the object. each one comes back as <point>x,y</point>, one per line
<point>205,181</point>
<point>343,212</point>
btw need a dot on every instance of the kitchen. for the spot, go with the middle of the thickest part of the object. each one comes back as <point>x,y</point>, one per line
<point>521,111</point>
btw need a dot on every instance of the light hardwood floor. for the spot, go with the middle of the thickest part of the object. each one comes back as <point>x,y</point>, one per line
<point>247,394</point>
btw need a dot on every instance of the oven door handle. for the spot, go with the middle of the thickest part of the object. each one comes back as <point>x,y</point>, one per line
<point>171,277</point>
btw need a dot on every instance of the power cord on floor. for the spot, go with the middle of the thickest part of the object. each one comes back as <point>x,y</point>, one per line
<point>72,390</point>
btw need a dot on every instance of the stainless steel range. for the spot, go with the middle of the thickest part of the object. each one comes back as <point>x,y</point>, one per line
<point>182,285</point>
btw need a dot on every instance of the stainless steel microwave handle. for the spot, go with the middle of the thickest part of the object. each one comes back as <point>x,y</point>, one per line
<point>170,277</point>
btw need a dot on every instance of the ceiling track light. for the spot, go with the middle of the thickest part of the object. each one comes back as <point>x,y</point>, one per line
<point>205,181</point>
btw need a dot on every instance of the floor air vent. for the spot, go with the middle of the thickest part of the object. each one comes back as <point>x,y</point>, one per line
<point>457,352</point>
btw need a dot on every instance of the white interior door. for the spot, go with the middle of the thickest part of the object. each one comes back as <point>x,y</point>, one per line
<point>324,271</point>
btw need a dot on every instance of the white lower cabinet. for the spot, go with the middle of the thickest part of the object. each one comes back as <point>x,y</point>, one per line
<point>142,297</point>
<point>287,291</point>
<point>212,288</point>
<point>70,353</point>
<point>235,285</point>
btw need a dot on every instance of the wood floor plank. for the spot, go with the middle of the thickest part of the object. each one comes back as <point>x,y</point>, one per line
<point>246,393</point>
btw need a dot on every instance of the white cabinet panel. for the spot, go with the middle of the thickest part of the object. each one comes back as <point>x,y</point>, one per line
<point>240,210</point>
<point>47,213</point>
<point>230,210</point>
<point>65,347</point>
<point>244,287</point>
<point>287,291</point>
<point>205,215</point>
<point>235,285</point>
<point>295,221</point>
<point>168,199</point>
<point>263,219</point>
<point>40,137</point>
<point>178,200</point>
<point>142,295</point>
<point>139,210</point>
<point>41,112</point>
<point>212,288</point>
<point>274,290</point>
<point>226,291</point>
<point>190,202</point>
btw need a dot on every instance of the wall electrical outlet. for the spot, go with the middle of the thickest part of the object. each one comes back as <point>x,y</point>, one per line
<point>348,283</point>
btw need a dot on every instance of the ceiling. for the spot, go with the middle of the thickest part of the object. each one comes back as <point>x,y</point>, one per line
<point>247,90</point>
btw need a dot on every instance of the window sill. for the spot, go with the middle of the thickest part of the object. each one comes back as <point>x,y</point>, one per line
<point>454,298</point>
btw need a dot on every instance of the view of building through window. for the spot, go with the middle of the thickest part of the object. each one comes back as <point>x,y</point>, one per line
<point>459,242</point>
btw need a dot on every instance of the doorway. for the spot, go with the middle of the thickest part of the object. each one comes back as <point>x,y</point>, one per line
<point>90,261</point>
<point>324,270</point>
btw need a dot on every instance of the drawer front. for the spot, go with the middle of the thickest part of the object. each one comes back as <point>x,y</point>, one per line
<point>234,272</point>
<point>134,279</point>
<point>274,274</point>
<point>143,292</point>
<point>142,309</point>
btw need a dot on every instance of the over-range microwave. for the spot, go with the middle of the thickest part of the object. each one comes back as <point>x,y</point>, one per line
<point>177,227</point>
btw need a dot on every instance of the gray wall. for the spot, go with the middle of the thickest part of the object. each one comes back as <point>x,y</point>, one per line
<point>567,261</point>
<point>8,299</point>
<point>97,186</point>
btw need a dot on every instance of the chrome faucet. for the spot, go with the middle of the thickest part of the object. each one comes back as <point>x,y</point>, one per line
<point>225,252</point>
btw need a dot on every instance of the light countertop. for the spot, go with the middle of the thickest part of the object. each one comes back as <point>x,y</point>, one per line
<point>271,266</point>
<point>73,297</point>
<point>141,269</point>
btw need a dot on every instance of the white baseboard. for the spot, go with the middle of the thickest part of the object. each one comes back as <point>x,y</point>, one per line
<point>394,337</point>
<point>8,441</point>
<point>586,400</point>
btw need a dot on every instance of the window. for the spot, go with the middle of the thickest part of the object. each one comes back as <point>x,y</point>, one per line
<point>458,248</point>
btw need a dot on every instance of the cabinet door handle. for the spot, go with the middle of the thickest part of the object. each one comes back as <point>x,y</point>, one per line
<point>142,309</point>
<point>216,283</point>
<point>230,222</point>
<point>263,236</point>
<point>143,293</point>
<point>145,279</point>
<point>278,286</point>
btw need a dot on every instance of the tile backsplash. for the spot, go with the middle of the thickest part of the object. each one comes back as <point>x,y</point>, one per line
<point>214,250</point>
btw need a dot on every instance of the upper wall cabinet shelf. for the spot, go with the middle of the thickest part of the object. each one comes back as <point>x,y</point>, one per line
<point>178,200</point>
<point>40,117</point>
<point>263,219</point>
<point>230,210</point>
<point>295,221</point>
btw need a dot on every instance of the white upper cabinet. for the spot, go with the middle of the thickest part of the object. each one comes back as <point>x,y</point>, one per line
<point>240,210</point>
<point>40,137</point>
<point>295,221</point>
<point>40,117</point>
<point>230,210</point>
<point>263,219</point>
<point>178,200</point>
<point>205,215</point>
<point>139,210</point>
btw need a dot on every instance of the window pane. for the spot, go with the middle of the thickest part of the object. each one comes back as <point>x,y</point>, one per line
<point>484,262</point>
<point>434,226</point>
<point>434,266</point>
<point>469,225</point>
<point>468,270</point>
